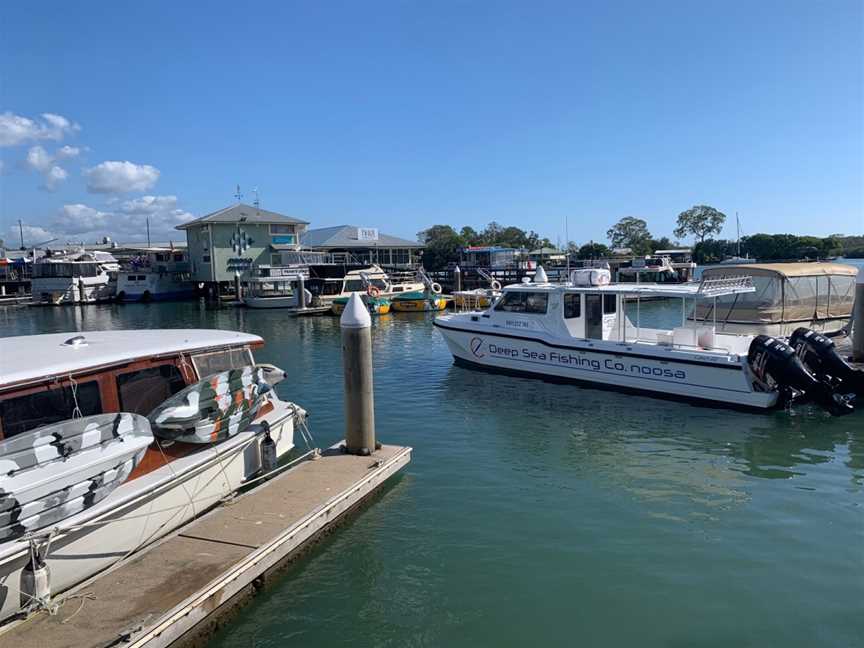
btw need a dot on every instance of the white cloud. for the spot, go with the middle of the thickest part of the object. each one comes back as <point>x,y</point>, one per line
<point>33,235</point>
<point>54,177</point>
<point>80,219</point>
<point>120,177</point>
<point>16,130</point>
<point>126,222</point>
<point>39,160</point>
<point>149,204</point>
<point>65,152</point>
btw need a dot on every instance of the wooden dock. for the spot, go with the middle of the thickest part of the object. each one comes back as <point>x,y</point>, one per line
<point>177,591</point>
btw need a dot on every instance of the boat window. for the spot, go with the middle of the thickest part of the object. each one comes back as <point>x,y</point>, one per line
<point>523,302</point>
<point>40,408</point>
<point>610,304</point>
<point>380,284</point>
<point>572,305</point>
<point>276,259</point>
<point>131,278</point>
<point>142,391</point>
<point>354,285</point>
<point>84,270</point>
<point>208,364</point>
<point>205,258</point>
<point>281,229</point>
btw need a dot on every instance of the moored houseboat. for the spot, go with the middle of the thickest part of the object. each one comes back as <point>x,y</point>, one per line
<point>159,274</point>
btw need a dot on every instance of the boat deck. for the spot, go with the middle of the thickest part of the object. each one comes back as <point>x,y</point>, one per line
<point>177,590</point>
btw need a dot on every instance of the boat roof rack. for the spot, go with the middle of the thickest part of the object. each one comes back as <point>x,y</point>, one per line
<point>719,286</point>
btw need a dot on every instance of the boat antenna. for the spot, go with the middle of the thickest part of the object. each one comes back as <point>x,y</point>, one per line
<point>256,202</point>
<point>238,195</point>
<point>21,232</point>
<point>567,244</point>
<point>738,234</point>
<point>148,230</point>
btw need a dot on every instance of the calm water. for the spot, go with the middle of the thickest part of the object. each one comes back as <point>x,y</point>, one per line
<point>547,514</point>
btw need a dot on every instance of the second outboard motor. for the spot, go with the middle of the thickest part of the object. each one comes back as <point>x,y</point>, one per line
<point>820,356</point>
<point>776,364</point>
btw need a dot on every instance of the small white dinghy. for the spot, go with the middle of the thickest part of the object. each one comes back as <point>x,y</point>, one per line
<point>215,408</point>
<point>56,471</point>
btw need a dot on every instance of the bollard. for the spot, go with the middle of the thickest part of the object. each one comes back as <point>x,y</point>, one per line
<point>356,324</point>
<point>237,290</point>
<point>858,319</point>
<point>301,292</point>
<point>457,279</point>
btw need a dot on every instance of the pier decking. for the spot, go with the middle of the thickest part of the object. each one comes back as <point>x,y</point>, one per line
<point>175,591</point>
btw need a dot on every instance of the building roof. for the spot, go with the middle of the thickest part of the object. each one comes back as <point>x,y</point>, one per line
<point>346,236</point>
<point>29,358</point>
<point>786,269</point>
<point>546,250</point>
<point>242,213</point>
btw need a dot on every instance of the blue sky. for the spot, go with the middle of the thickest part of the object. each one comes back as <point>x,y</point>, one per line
<point>400,115</point>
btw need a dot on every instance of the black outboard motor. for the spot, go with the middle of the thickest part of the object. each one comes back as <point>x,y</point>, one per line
<point>820,356</point>
<point>776,364</point>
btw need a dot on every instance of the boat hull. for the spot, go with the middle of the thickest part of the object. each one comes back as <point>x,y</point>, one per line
<point>419,305</point>
<point>719,383</point>
<point>271,302</point>
<point>147,508</point>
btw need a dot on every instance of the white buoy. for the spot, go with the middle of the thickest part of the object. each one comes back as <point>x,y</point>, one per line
<point>356,324</point>
<point>540,276</point>
<point>858,319</point>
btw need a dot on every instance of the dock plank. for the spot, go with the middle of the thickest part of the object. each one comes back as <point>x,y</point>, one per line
<point>164,592</point>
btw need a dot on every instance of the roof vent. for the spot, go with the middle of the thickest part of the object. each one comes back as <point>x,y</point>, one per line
<point>77,341</point>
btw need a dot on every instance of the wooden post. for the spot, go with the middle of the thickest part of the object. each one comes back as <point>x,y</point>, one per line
<point>356,325</point>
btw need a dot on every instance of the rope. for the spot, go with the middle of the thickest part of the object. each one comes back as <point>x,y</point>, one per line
<point>76,412</point>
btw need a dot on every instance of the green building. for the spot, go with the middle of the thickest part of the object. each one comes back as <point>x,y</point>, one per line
<point>232,240</point>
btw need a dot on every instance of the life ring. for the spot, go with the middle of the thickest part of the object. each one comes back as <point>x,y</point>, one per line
<point>373,291</point>
<point>495,285</point>
<point>436,288</point>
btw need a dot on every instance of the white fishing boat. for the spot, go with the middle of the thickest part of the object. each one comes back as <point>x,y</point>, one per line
<point>63,394</point>
<point>159,274</point>
<point>582,331</point>
<point>74,277</point>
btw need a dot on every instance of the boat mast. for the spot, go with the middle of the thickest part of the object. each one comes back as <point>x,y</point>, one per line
<point>738,234</point>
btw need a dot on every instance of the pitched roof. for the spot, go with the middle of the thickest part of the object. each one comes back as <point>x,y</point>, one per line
<point>242,213</point>
<point>345,236</point>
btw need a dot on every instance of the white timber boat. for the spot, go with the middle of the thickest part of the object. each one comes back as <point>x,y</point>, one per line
<point>74,278</point>
<point>582,331</point>
<point>74,414</point>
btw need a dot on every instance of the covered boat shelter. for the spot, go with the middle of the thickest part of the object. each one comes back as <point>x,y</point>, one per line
<point>787,296</point>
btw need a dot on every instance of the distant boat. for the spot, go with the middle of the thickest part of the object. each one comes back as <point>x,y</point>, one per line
<point>738,259</point>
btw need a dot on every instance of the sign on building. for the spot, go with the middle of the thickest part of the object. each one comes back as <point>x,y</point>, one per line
<point>367,234</point>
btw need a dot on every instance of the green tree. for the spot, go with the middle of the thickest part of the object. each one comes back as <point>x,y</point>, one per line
<point>442,246</point>
<point>663,243</point>
<point>593,250</point>
<point>630,232</point>
<point>700,221</point>
<point>469,235</point>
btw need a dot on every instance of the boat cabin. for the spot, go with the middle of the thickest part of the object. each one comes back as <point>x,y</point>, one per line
<point>613,313</point>
<point>51,378</point>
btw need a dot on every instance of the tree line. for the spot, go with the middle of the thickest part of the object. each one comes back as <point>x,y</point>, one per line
<point>702,222</point>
